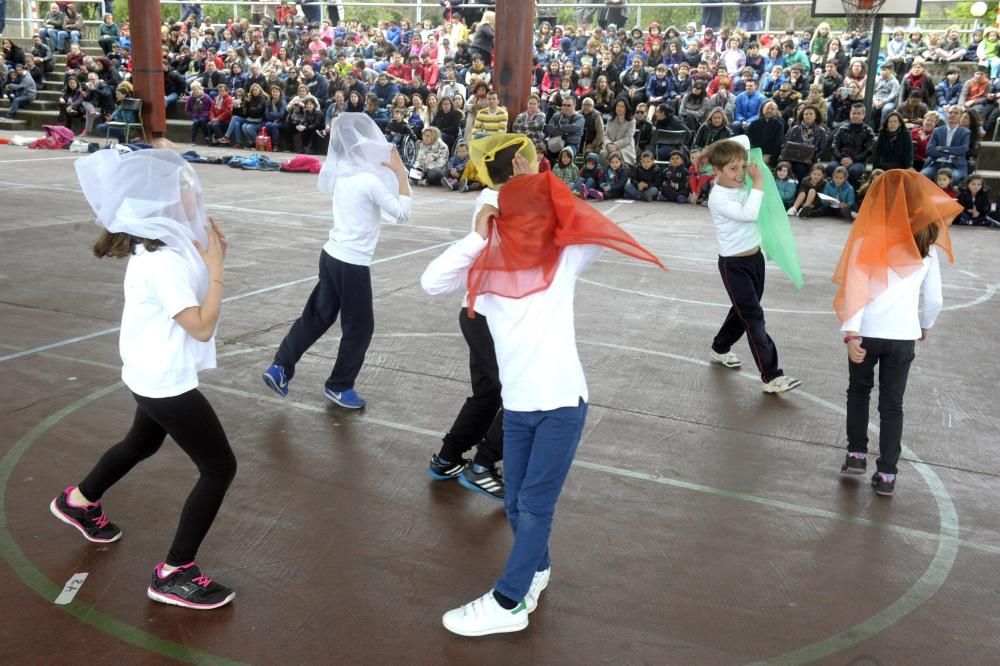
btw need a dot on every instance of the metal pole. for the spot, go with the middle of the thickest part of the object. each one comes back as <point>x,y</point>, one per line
<point>767,19</point>
<point>873,67</point>
<point>420,10</point>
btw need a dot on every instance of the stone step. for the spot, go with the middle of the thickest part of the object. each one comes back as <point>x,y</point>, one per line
<point>39,104</point>
<point>991,178</point>
<point>13,125</point>
<point>50,95</point>
<point>989,155</point>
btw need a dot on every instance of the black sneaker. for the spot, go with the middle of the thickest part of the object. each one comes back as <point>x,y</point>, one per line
<point>884,484</point>
<point>91,521</point>
<point>440,470</point>
<point>487,482</point>
<point>187,587</point>
<point>853,465</point>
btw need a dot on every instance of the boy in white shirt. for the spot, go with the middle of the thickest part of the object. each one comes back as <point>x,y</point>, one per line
<point>741,262</point>
<point>521,274</point>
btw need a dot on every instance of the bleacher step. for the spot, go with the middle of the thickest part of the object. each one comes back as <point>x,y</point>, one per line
<point>13,125</point>
<point>38,104</point>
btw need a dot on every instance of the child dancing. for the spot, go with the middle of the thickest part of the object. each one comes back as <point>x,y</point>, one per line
<point>149,203</point>
<point>889,297</point>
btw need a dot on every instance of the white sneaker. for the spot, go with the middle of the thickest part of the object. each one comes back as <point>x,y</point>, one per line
<point>485,616</point>
<point>538,583</point>
<point>728,359</point>
<point>781,384</point>
<point>793,211</point>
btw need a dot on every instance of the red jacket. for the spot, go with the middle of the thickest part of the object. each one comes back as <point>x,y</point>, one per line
<point>224,113</point>
<point>430,75</point>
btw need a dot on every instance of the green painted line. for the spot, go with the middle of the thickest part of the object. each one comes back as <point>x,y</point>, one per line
<point>31,576</point>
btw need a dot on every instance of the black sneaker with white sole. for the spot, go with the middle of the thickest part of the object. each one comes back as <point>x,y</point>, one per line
<point>487,482</point>
<point>89,520</point>
<point>853,465</point>
<point>188,587</point>
<point>442,470</point>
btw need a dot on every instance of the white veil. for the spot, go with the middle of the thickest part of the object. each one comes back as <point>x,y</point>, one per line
<point>356,145</point>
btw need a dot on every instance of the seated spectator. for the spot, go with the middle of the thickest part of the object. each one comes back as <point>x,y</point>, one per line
<point>398,129</point>
<point>71,103</point>
<point>674,186</point>
<point>51,31</point>
<point>694,106</point>
<point>714,129</point>
<point>830,79</point>
<point>946,182</point>
<point>894,145</point>
<point>220,114</point>
<point>20,89</point>
<point>917,80</point>
<point>770,83</point>
<point>788,102</point>
<point>989,52</point>
<point>492,118</point>
<point>886,95</point>
<point>852,145</point>
<point>98,101</point>
<point>839,189</point>
<point>634,81</point>
<point>593,127</point>
<point>42,54</point>
<point>896,52</point>
<point>970,121</point>
<point>809,187</point>
<point>616,176</point>
<point>951,91</point>
<point>798,81</point>
<point>974,95</point>
<point>448,121</point>
<point>643,129</point>
<point>119,115</point>
<point>108,34</point>
<point>948,147</point>
<point>921,136</point>
<point>587,185</point>
<point>917,50</point>
<point>914,111</point>
<point>619,136</point>
<point>747,107</point>
<point>355,102</point>
<point>72,26</point>
<point>644,184</point>
<point>725,100</point>
<point>303,124</point>
<point>198,108</point>
<point>565,129</point>
<point>767,132</point>
<point>658,87</point>
<point>564,169</point>
<point>863,190</point>
<point>976,204</point>
<point>253,117</point>
<point>455,167</point>
<point>785,181</point>
<point>432,157</point>
<point>808,132</point>
<point>665,120</point>
<point>949,49</point>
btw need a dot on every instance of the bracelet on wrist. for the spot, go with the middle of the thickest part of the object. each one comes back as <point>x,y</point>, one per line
<point>848,338</point>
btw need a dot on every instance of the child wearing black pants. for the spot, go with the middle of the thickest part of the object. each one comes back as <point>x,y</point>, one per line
<point>741,263</point>
<point>149,203</point>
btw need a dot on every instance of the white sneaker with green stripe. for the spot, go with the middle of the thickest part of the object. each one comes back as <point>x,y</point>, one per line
<point>485,616</point>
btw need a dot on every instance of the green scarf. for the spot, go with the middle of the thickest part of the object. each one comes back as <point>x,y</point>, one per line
<point>775,230</point>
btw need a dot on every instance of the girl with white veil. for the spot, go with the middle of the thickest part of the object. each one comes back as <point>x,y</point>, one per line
<point>368,182</point>
<point>149,204</point>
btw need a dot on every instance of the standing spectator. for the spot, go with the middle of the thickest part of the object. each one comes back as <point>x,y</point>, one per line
<point>948,147</point>
<point>852,145</point>
<point>711,14</point>
<point>483,39</point>
<point>750,18</point>
<point>894,145</point>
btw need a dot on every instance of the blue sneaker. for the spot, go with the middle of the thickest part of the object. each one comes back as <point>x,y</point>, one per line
<point>275,379</point>
<point>348,399</point>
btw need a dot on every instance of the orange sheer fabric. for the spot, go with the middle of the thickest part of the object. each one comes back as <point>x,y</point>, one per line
<point>539,217</point>
<point>898,205</point>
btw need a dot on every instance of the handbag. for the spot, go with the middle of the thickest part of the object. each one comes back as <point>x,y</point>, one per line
<point>797,152</point>
<point>264,141</point>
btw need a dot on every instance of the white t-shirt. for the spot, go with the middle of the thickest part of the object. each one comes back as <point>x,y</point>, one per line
<point>358,204</point>
<point>159,358</point>
<point>734,212</point>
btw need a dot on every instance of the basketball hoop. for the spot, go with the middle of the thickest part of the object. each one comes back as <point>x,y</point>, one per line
<point>860,13</point>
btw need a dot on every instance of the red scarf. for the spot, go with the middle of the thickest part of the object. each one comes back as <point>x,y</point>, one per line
<point>539,217</point>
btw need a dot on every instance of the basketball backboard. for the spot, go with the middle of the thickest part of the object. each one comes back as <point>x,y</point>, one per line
<point>891,8</point>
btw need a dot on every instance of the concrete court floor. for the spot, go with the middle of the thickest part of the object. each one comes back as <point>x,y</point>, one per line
<point>704,522</point>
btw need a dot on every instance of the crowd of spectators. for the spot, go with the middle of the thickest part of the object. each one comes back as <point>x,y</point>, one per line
<point>616,111</point>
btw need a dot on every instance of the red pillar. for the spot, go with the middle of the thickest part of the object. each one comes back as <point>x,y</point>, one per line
<point>514,49</point>
<point>147,63</point>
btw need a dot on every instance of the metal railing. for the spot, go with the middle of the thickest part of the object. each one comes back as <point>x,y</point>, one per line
<point>26,23</point>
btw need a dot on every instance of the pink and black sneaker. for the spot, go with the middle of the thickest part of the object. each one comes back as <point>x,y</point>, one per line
<point>186,586</point>
<point>90,519</point>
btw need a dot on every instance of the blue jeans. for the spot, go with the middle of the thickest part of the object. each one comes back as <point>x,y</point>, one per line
<point>633,192</point>
<point>958,173</point>
<point>54,37</point>
<point>235,131</point>
<point>250,131</point>
<point>115,132</point>
<point>538,451</point>
<point>170,99</point>
<point>274,129</point>
<point>16,103</point>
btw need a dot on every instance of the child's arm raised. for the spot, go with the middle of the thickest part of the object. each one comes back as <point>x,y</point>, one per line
<point>396,207</point>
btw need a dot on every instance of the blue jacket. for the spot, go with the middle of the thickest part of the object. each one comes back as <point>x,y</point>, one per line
<point>946,94</point>
<point>393,35</point>
<point>385,93</point>
<point>657,87</point>
<point>748,106</point>
<point>844,194</point>
<point>938,148</point>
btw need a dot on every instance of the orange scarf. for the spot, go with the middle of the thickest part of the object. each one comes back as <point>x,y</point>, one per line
<point>539,217</point>
<point>899,205</point>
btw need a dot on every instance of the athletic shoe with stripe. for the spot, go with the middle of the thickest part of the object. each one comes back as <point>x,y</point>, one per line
<point>274,378</point>
<point>89,520</point>
<point>539,582</point>
<point>442,470</point>
<point>782,384</point>
<point>348,399</point>
<point>186,586</point>
<point>487,482</point>
<point>728,360</point>
<point>485,616</point>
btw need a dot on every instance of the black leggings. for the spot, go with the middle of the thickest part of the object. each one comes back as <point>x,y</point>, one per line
<point>192,422</point>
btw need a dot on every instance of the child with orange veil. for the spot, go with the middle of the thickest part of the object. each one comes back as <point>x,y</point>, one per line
<point>520,267</point>
<point>889,263</point>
